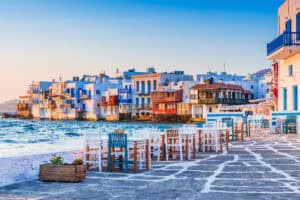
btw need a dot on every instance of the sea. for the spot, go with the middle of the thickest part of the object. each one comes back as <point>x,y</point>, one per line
<point>26,137</point>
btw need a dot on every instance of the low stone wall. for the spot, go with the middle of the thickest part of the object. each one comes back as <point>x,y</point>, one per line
<point>23,168</point>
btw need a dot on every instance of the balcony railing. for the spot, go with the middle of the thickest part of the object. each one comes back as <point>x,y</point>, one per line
<point>85,97</point>
<point>284,40</point>
<point>125,101</point>
<point>223,101</point>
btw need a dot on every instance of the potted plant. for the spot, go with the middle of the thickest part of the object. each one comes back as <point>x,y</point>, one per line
<point>58,171</point>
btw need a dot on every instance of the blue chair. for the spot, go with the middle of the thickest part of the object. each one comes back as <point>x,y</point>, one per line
<point>117,141</point>
<point>229,123</point>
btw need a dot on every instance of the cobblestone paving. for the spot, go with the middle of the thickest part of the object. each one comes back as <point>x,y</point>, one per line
<point>262,167</point>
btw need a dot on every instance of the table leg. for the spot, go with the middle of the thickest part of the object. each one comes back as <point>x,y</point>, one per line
<point>135,152</point>
<point>220,140</point>
<point>194,146</point>
<point>147,155</point>
<point>249,129</point>
<point>236,132</point>
<point>242,131</point>
<point>113,160</point>
<point>163,147</point>
<point>87,149</point>
<point>227,140</point>
<point>187,147</point>
<point>210,142</point>
<point>200,140</point>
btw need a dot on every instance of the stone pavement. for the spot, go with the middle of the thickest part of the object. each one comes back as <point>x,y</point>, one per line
<point>262,167</point>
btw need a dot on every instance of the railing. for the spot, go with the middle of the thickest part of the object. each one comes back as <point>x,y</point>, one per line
<point>285,39</point>
<point>145,107</point>
<point>222,101</point>
<point>124,90</point>
<point>85,96</point>
<point>127,101</point>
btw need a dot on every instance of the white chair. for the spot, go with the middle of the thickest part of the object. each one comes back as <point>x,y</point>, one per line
<point>210,139</point>
<point>187,135</point>
<point>92,154</point>
<point>173,142</point>
<point>140,136</point>
<point>155,143</point>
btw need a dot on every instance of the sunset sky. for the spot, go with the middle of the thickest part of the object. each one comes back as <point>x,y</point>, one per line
<point>46,39</point>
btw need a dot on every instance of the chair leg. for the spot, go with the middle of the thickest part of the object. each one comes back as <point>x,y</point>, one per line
<point>203,143</point>
<point>216,143</point>
<point>180,150</point>
<point>158,153</point>
<point>140,160</point>
<point>167,152</point>
<point>126,159</point>
<point>100,159</point>
<point>109,160</point>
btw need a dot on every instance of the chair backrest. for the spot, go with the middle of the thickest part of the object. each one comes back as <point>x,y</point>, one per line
<point>228,122</point>
<point>119,131</point>
<point>172,133</point>
<point>117,140</point>
<point>92,139</point>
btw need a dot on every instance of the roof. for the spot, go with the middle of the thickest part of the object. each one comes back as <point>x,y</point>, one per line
<point>215,86</point>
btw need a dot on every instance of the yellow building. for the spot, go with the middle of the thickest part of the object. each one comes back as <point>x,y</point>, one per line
<point>284,51</point>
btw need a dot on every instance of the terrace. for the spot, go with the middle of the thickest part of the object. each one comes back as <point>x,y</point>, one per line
<point>263,167</point>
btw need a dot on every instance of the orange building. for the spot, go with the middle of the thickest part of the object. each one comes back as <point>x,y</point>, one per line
<point>165,102</point>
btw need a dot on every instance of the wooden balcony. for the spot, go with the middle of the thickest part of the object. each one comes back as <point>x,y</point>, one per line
<point>222,101</point>
<point>167,96</point>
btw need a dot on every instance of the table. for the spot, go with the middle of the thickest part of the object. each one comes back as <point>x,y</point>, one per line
<point>216,130</point>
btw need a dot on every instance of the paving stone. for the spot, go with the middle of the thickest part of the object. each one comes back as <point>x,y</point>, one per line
<point>234,175</point>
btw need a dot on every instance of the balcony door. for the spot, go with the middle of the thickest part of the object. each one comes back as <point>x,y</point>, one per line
<point>288,31</point>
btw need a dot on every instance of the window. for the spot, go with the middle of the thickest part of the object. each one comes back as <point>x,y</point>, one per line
<point>291,70</point>
<point>137,101</point>
<point>149,86</point>
<point>148,101</point>
<point>137,86</point>
<point>143,87</point>
<point>295,97</point>
<point>143,102</point>
<point>154,85</point>
<point>97,91</point>
<point>284,98</point>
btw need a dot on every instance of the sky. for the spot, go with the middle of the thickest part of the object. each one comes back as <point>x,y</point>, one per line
<point>48,39</point>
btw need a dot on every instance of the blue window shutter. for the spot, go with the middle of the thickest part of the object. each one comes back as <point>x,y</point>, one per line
<point>298,26</point>
<point>284,99</point>
<point>295,97</point>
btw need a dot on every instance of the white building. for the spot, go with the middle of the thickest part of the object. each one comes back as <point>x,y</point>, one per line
<point>38,91</point>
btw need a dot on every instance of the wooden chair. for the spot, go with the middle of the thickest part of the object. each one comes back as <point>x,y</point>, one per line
<point>117,151</point>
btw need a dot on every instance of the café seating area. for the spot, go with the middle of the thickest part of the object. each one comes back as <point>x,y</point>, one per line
<point>135,151</point>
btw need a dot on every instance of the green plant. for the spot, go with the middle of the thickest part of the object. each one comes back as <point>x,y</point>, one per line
<point>56,160</point>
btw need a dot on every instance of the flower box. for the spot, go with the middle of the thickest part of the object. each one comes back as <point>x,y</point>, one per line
<point>62,173</point>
